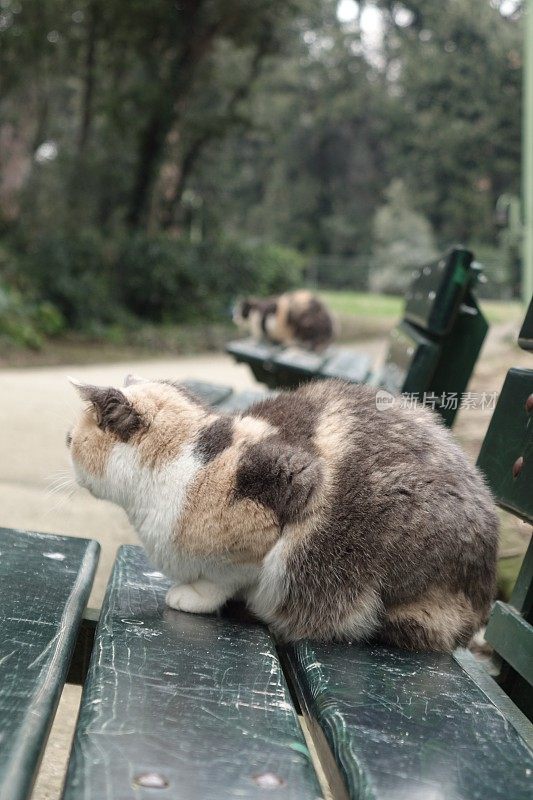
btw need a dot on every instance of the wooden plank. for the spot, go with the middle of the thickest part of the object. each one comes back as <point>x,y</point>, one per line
<point>246,349</point>
<point>45,582</point>
<point>525,337</point>
<point>195,705</point>
<point>411,361</point>
<point>512,637</point>
<point>241,401</point>
<point>348,365</point>
<point>436,292</point>
<point>408,726</point>
<point>259,357</point>
<point>481,677</point>
<point>301,362</point>
<point>506,456</point>
<point>458,356</point>
<point>522,596</point>
<point>211,393</point>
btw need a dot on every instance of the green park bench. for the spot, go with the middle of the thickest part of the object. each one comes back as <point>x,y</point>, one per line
<point>209,707</point>
<point>432,351</point>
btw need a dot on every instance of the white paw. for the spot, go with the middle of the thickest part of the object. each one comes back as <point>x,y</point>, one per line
<point>200,597</point>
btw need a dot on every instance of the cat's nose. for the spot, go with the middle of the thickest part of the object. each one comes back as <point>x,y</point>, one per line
<point>69,439</point>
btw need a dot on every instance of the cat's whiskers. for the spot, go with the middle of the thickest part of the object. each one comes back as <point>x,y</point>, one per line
<point>60,502</point>
<point>61,481</point>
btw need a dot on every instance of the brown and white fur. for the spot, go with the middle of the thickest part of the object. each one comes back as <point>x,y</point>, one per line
<point>294,318</point>
<point>331,518</point>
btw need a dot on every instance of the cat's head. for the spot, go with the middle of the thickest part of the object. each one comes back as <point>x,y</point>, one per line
<point>249,313</point>
<point>241,311</point>
<point>230,482</point>
<point>121,431</point>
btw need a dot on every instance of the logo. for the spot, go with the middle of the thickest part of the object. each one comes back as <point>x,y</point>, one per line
<point>384,400</point>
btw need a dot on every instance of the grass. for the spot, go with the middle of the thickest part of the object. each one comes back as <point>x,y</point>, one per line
<point>367,305</point>
<point>362,304</point>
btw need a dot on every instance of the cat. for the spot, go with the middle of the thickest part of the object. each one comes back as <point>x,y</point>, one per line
<point>294,318</point>
<point>331,518</point>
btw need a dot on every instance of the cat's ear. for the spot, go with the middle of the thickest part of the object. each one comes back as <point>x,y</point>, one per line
<point>277,475</point>
<point>114,411</point>
<point>132,380</point>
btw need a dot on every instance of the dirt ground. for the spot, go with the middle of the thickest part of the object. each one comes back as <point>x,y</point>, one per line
<point>36,408</point>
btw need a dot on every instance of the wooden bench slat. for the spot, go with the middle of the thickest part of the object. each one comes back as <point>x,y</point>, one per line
<point>300,360</point>
<point>409,726</point>
<point>525,337</point>
<point>240,401</point>
<point>200,702</point>
<point>512,637</point>
<point>509,438</point>
<point>246,348</point>
<point>458,356</point>
<point>258,356</point>
<point>410,362</point>
<point>522,595</point>
<point>348,365</point>
<point>45,582</point>
<point>437,290</point>
<point>211,393</point>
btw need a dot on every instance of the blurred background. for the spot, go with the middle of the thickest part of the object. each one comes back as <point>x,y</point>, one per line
<point>157,159</point>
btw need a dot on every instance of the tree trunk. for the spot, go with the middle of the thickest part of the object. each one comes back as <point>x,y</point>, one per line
<point>88,81</point>
<point>165,113</point>
<point>196,147</point>
<point>150,152</point>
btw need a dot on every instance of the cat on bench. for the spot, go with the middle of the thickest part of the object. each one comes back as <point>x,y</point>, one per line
<point>331,518</point>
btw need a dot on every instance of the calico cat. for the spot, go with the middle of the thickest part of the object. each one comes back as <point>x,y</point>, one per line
<point>295,318</point>
<point>331,518</point>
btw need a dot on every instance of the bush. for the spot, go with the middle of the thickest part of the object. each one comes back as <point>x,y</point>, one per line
<point>25,323</point>
<point>168,280</point>
<point>98,284</point>
<point>73,272</point>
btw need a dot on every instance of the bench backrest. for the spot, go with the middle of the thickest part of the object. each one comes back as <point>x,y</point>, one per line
<point>434,348</point>
<point>506,458</point>
<point>432,351</point>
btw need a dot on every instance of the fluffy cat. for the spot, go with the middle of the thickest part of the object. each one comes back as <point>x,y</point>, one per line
<point>294,318</point>
<point>334,520</point>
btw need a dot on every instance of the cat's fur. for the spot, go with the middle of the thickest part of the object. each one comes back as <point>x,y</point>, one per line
<point>331,518</point>
<point>294,318</point>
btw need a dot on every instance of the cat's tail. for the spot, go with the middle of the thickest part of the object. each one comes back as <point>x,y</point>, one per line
<point>438,621</point>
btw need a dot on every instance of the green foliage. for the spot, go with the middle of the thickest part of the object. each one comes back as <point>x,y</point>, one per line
<point>455,71</point>
<point>96,284</point>
<point>169,280</point>
<point>73,271</point>
<point>403,240</point>
<point>24,323</point>
<point>145,145</point>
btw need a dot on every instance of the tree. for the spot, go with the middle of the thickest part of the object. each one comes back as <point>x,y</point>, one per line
<point>455,69</point>
<point>403,239</point>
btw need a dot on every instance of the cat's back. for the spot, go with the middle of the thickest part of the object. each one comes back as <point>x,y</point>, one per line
<point>336,410</point>
<point>362,443</point>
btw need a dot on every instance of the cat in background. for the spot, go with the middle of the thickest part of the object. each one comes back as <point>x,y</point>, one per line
<point>294,318</point>
<point>330,518</point>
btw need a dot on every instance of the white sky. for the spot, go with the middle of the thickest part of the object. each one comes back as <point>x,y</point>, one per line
<point>371,18</point>
<point>371,27</point>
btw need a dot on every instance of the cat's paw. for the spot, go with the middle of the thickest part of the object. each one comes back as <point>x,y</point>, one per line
<point>200,597</point>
